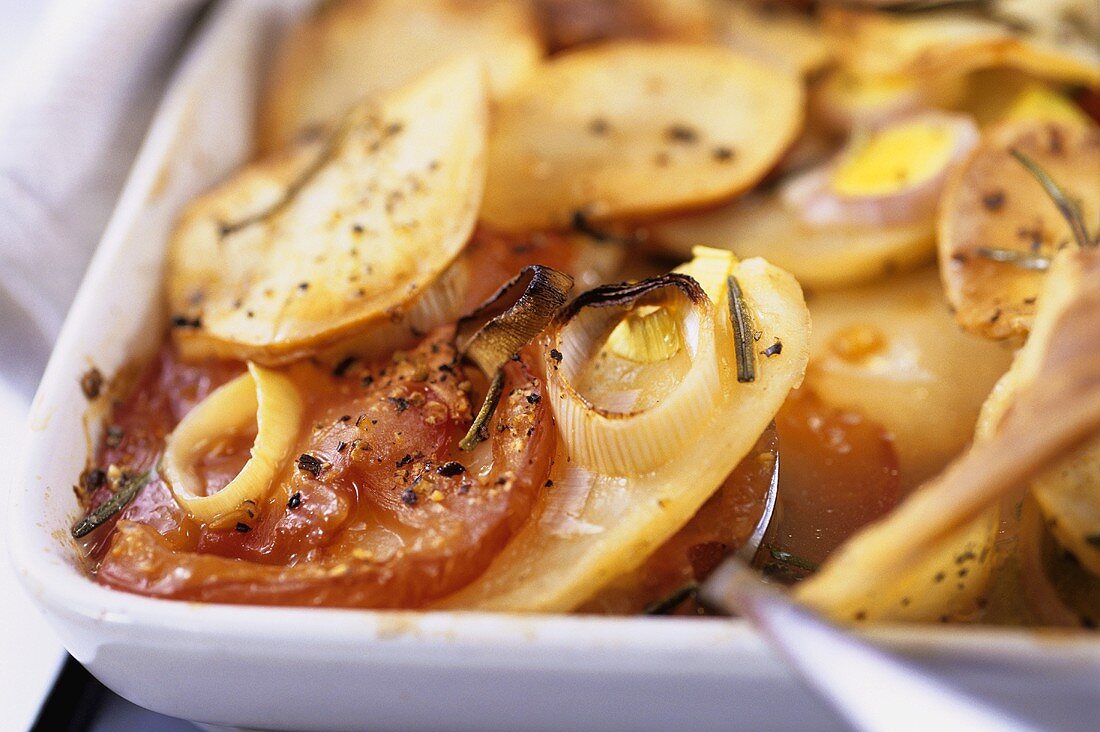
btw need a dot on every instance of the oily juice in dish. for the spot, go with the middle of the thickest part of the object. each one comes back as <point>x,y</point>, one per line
<point>530,326</point>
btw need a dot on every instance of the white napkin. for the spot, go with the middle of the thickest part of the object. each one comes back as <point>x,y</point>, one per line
<point>73,113</point>
<point>75,98</point>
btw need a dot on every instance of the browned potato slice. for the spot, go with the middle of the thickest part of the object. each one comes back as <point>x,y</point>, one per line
<point>820,257</point>
<point>294,253</point>
<point>632,129</point>
<point>355,48</point>
<point>927,44</point>
<point>993,203</point>
<point>773,34</point>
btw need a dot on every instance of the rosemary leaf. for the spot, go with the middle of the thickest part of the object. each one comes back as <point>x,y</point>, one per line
<point>1068,207</point>
<point>666,605</point>
<point>492,398</point>
<point>128,488</point>
<point>793,560</point>
<point>332,144</point>
<point>742,332</point>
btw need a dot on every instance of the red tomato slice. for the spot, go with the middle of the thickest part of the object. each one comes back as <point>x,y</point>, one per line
<point>385,511</point>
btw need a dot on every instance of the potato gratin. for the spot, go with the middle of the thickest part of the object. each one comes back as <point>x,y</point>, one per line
<point>523,305</point>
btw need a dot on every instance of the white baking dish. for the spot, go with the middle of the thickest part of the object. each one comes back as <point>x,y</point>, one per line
<point>335,669</point>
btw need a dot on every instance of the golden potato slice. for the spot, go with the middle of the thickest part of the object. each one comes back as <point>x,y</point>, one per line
<point>631,129</point>
<point>774,34</point>
<point>820,257</point>
<point>1067,495</point>
<point>354,48</point>
<point>994,211</point>
<point>891,351</point>
<point>928,44</point>
<point>296,252</point>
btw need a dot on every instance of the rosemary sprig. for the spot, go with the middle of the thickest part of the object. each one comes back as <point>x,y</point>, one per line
<point>793,560</point>
<point>333,143</point>
<point>497,329</point>
<point>477,430</point>
<point>742,332</point>
<point>1067,206</point>
<point>128,487</point>
<point>1024,260</point>
<point>666,605</point>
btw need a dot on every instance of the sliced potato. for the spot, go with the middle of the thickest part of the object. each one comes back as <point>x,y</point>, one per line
<point>820,257</point>
<point>1067,492</point>
<point>929,44</point>
<point>774,34</point>
<point>295,253</point>
<point>1067,495</point>
<point>356,48</point>
<point>630,129</point>
<point>891,351</point>
<point>994,204</point>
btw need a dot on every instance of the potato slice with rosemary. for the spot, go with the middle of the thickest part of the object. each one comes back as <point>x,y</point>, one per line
<point>356,48</point>
<point>297,252</point>
<point>647,432</point>
<point>1066,493</point>
<point>631,129</point>
<point>950,42</point>
<point>998,228</point>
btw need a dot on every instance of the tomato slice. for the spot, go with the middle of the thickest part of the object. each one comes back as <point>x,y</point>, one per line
<point>384,512</point>
<point>838,472</point>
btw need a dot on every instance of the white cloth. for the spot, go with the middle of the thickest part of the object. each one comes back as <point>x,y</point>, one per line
<point>75,109</point>
<point>76,95</point>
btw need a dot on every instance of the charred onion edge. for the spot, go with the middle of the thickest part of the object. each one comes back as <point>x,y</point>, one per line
<point>498,328</point>
<point>127,489</point>
<point>622,295</point>
<point>1067,206</point>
